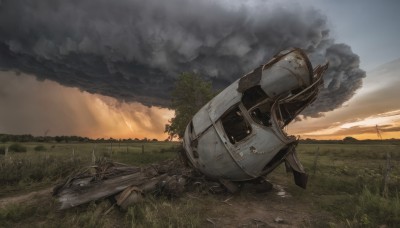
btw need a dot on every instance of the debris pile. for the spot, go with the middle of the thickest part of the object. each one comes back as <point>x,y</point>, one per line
<point>129,184</point>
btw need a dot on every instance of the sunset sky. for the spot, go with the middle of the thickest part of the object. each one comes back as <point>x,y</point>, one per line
<point>67,71</point>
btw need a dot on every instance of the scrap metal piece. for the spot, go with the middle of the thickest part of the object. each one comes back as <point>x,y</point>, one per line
<point>110,179</point>
<point>129,196</point>
<point>229,185</point>
<point>293,164</point>
<point>239,135</point>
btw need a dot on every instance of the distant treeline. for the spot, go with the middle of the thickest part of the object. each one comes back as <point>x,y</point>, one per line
<point>73,138</point>
<point>351,140</point>
<point>66,139</point>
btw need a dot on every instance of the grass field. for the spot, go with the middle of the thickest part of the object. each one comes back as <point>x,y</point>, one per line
<point>348,182</point>
<point>345,182</point>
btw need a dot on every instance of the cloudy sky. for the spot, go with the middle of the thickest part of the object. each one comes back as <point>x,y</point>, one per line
<point>105,68</point>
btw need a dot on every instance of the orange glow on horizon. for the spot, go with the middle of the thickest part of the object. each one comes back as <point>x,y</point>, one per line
<point>130,120</point>
<point>388,135</point>
<point>388,124</point>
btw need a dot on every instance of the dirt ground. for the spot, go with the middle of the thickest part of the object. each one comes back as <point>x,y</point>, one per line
<point>275,208</point>
<point>30,197</point>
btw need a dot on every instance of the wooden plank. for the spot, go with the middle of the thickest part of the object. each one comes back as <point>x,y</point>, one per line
<point>77,195</point>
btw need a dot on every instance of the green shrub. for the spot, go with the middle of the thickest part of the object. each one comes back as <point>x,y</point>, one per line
<point>40,148</point>
<point>17,148</point>
<point>2,150</point>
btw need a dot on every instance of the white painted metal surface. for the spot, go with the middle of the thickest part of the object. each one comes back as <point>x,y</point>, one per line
<point>239,134</point>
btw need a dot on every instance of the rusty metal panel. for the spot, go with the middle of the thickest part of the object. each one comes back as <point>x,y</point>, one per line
<point>251,79</point>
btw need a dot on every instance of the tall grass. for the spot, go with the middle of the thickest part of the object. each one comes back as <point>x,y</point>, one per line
<point>349,183</point>
<point>17,170</point>
<point>160,212</point>
<point>374,210</point>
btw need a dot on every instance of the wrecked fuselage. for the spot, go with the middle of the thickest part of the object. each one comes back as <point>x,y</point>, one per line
<point>239,135</point>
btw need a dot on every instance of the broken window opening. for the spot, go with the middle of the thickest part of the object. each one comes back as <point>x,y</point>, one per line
<point>252,96</point>
<point>262,114</point>
<point>288,111</point>
<point>235,125</point>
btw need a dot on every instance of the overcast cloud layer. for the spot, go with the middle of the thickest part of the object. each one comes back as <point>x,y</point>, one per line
<point>133,49</point>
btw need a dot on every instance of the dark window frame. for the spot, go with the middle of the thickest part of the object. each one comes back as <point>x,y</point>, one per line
<point>235,131</point>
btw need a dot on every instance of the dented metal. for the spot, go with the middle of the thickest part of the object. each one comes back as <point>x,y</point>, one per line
<point>239,135</point>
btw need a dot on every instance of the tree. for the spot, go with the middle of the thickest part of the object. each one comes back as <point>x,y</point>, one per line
<point>349,139</point>
<point>189,94</point>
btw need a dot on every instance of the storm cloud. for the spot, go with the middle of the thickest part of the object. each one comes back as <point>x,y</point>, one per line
<point>134,50</point>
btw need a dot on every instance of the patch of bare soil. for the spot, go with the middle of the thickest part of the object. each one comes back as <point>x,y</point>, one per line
<point>30,197</point>
<point>272,209</point>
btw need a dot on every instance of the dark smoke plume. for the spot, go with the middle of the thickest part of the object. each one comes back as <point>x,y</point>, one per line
<point>341,80</point>
<point>134,49</point>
